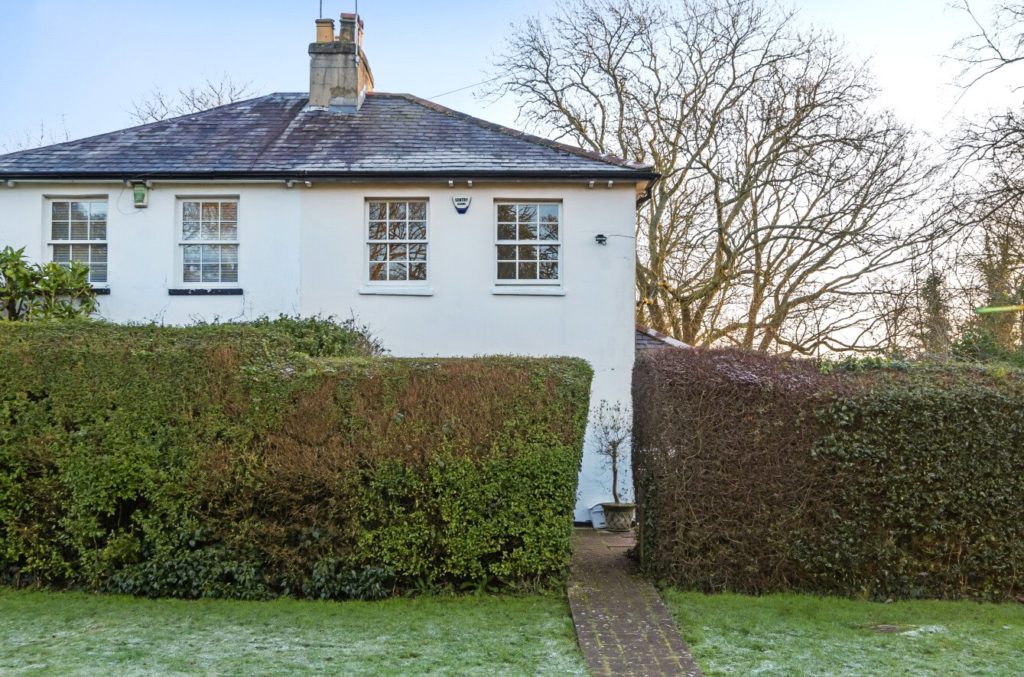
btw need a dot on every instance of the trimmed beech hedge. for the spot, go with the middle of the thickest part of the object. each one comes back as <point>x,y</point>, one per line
<point>872,479</point>
<point>279,458</point>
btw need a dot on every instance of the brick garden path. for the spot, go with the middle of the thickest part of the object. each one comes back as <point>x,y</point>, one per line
<point>622,625</point>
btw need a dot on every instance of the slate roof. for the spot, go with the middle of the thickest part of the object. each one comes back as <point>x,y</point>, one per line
<point>649,339</point>
<point>394,135</point>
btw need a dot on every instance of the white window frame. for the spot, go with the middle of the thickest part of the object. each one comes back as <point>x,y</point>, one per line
<point>410,287</point>
<point>180,242</point>
<point>553,286</point>
<point>51,242</point>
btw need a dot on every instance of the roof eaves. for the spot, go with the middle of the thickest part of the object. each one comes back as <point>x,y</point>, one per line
<point>284,174</point>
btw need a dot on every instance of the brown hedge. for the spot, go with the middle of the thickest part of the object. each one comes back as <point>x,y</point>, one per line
<point>760,474</point>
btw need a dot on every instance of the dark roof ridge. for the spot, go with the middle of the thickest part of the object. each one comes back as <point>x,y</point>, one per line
<point>517,134</point>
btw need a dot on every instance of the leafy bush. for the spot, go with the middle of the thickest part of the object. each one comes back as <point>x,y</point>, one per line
<point>227,461</point>
<point>43,291</point>
<point>760,474</point>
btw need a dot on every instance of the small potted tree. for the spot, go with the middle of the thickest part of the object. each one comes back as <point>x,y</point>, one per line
<point>612,430</point>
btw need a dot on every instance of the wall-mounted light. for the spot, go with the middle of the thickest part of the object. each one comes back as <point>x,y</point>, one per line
<point>290,183</point>
<point>601,239</point>
<point>611,183</point>
<point>309,184</point>
<point>469,183</point>
<point>451,183</point>
<point>10,184</point>
<point>590,184</point>
<point>140,195</point>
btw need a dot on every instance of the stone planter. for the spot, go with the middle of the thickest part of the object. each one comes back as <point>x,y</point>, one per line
<point>618,516</point>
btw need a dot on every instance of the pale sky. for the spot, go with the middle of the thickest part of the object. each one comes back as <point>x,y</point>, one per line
<point>85,62</point>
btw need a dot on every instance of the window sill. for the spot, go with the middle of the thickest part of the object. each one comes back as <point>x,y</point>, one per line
<point>211,291</point>
<point>396,291</point>
<point>526,290</point>
<point>101,291</point>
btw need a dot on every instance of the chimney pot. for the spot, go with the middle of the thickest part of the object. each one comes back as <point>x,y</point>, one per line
<point>324,30</point>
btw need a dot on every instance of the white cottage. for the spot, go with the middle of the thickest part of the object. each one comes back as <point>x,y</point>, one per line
<point>446,234</point>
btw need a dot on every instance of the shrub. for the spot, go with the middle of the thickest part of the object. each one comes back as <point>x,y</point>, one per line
<point>228,461</point>
<point>43,291</point>
<point>879,479</point>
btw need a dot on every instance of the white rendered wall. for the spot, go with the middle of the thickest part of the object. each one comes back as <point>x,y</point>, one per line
<point>303,251</point>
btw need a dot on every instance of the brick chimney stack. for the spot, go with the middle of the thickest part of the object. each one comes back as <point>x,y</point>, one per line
<point>339,74</point>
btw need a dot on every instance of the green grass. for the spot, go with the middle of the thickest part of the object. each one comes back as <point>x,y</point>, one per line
<point>70,633</point>
<point>806,635</point>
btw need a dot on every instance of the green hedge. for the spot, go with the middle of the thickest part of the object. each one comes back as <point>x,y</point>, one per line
<point>882,480</point>
<point>279,458</point>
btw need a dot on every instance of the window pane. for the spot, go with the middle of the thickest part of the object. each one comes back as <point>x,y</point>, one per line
<point>506,252</point>
<point>60,231</point>
<point>397,271</point>
<point>378,230</point>
<point>548,270</point>
<point>98,211</point>
<point>396,230</point>
<point>549,213</point>
<point>229,211</point>
<point>211,212</point>
<point>98,230</point>
<point>190,211</point>
<point>396,210</point>
<point>378,272</point>
<point>507,213</point>
<point>98,273</point>
<point>418,271</point>
<point>192,253</point>
<point>506,271</point>
<point>61,253</point>
<point>79,230</point>
<point>98,253</point>
<point>229,272</point>
<point>211,272</point>
<point>417,230</point>
<point>228,230</point>
<point>417,211</point>
<point>80,211</point>
<point>527,252</point>
<point>229,253</point>
<point>378,211</point>
<point>506,231</point>
<point>378,252</point>
<point>397,252</point>
<point>526,213</point>
<point>549,231</point>
<point>548,253</point>
<point>59,211</point>
<point>190,230</point>
<point>193,273</point>
<point>527,271</point>
<point>210,230</point>
<point>527,231</point>
<point>417,252</point>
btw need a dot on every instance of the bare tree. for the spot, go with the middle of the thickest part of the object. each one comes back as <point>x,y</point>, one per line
<point>989,47</point>
<point>784,196</point>
<point>158,105</point>
<point>34,138</point>
<point>985,195</point>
